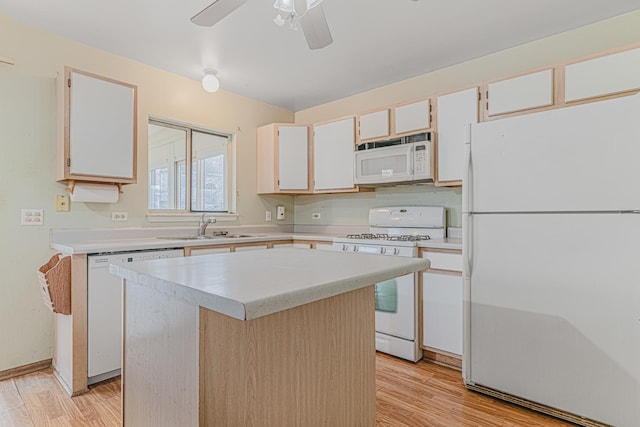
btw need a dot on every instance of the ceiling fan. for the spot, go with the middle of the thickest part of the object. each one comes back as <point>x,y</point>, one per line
<point>308,14</point>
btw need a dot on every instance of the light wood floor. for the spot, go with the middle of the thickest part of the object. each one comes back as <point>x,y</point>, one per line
<point>409,395</point>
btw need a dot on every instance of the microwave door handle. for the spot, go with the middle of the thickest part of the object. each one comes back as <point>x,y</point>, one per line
<point>411,160</point>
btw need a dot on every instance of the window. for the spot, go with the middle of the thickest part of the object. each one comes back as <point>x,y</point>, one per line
<point>206,182</point>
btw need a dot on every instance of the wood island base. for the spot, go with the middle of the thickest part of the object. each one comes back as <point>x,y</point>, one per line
<point>311,365</point>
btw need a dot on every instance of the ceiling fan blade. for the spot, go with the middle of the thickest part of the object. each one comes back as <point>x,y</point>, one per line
<point>217,10</point>
<point>315,28</point>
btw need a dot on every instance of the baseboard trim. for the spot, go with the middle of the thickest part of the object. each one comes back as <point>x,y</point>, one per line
<point>25,369</point>
<point>443,359</point>
<point>548,410</point>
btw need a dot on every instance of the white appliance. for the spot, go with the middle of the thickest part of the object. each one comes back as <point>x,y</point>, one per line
<point>400,160</point>
<point>104,310</point>
<point>395,231</point>
<point>551,206</point>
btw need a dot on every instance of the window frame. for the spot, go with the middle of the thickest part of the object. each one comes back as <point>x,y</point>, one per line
<point>177,215</point>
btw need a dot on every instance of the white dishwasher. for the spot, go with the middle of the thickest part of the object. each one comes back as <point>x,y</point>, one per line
<point>104,310</point>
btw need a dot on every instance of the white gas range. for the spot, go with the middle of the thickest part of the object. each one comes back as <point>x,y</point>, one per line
<point>396,231</point>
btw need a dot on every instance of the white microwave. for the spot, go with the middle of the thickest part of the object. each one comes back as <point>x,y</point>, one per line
<point>404,162</point>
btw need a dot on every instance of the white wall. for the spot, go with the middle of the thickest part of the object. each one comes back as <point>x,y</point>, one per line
<point>27,165</point>
<point>352,209</point>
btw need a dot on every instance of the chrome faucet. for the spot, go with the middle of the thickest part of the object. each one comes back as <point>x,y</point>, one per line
<point>202,225</point>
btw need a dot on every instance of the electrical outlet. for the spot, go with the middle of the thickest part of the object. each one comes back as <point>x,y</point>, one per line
<point>280,214</point>
<point>267,215</point>
<point>62,203</point>
<point>119,216</point>
<point>32,217</point>
<point>316,215</point>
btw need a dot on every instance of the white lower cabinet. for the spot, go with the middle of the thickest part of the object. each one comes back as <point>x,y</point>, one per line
<point>442,312</point>
<point>250,247</point>
<point>324,246</point>
<point>301,245</point>
<point>208,251</point>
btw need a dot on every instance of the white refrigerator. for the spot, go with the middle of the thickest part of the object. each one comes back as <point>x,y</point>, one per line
<point>551,218</point>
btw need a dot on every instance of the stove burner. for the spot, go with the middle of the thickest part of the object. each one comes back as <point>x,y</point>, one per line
<point>394,238</point>
<point>409,237</point>
<point>368,236</point>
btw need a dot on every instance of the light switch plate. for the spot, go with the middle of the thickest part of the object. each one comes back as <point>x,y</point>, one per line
<point>62,203</point>
<point>32,217</point>
<point>267,216</point>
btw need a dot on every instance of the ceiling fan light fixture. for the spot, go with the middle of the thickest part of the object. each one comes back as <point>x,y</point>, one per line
<point>278,20</point>
<point>285,6</point>
<point>210,82</point>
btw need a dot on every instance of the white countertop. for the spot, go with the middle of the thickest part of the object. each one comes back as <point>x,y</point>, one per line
<point>121,240</point>
<point>124,243</point>
<point>247,285</point>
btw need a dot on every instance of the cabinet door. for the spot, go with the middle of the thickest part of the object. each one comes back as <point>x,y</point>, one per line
<point>442,312</point>
<point>606,75</point>
<point>333,154</point>
<point>520,93</point>
<point>101,131</point>
<point>454,112</point>
<point>293,157</point>
<point>213,250</point>
<point>374,125</point>
<point>282,245</point>
<point>443,260</point>
<point>301,245</point>
<point>324,246</point>
<point>251,247</point>
<point>412,117</point>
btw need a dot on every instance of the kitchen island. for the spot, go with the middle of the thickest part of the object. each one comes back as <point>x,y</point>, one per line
<point>278,337</point>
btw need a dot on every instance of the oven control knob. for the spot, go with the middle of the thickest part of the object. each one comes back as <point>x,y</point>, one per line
<point>396,251</point>
<point>355,248</point>
<point>345,247</point>
<point>383,250</point>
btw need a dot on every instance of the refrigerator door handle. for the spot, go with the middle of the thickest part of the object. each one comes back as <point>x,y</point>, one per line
<point>467,256</point>
<point>467,173</point>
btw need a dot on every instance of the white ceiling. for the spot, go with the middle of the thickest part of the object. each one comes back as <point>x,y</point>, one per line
<point>376,42</point>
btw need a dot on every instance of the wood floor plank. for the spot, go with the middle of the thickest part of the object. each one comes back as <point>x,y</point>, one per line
<point>407,395</point>
<point>18,417</point>
<point>9,396</point>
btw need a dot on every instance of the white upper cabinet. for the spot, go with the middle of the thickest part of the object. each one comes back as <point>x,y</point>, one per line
<point>533,90</point>
<point>100,129</point>
<point>412,117</point>
<point>454,112</point>
<point>606,75</point>
<point>282,159</point>
<point>293,160</point>
<point>374,125</point>
<point>333,154</point>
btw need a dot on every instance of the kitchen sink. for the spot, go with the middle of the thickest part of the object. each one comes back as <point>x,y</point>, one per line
<point>189,237</point>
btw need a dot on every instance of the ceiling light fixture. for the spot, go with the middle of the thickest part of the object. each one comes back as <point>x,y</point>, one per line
<point>288,14</point>
<point>210,82</point>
